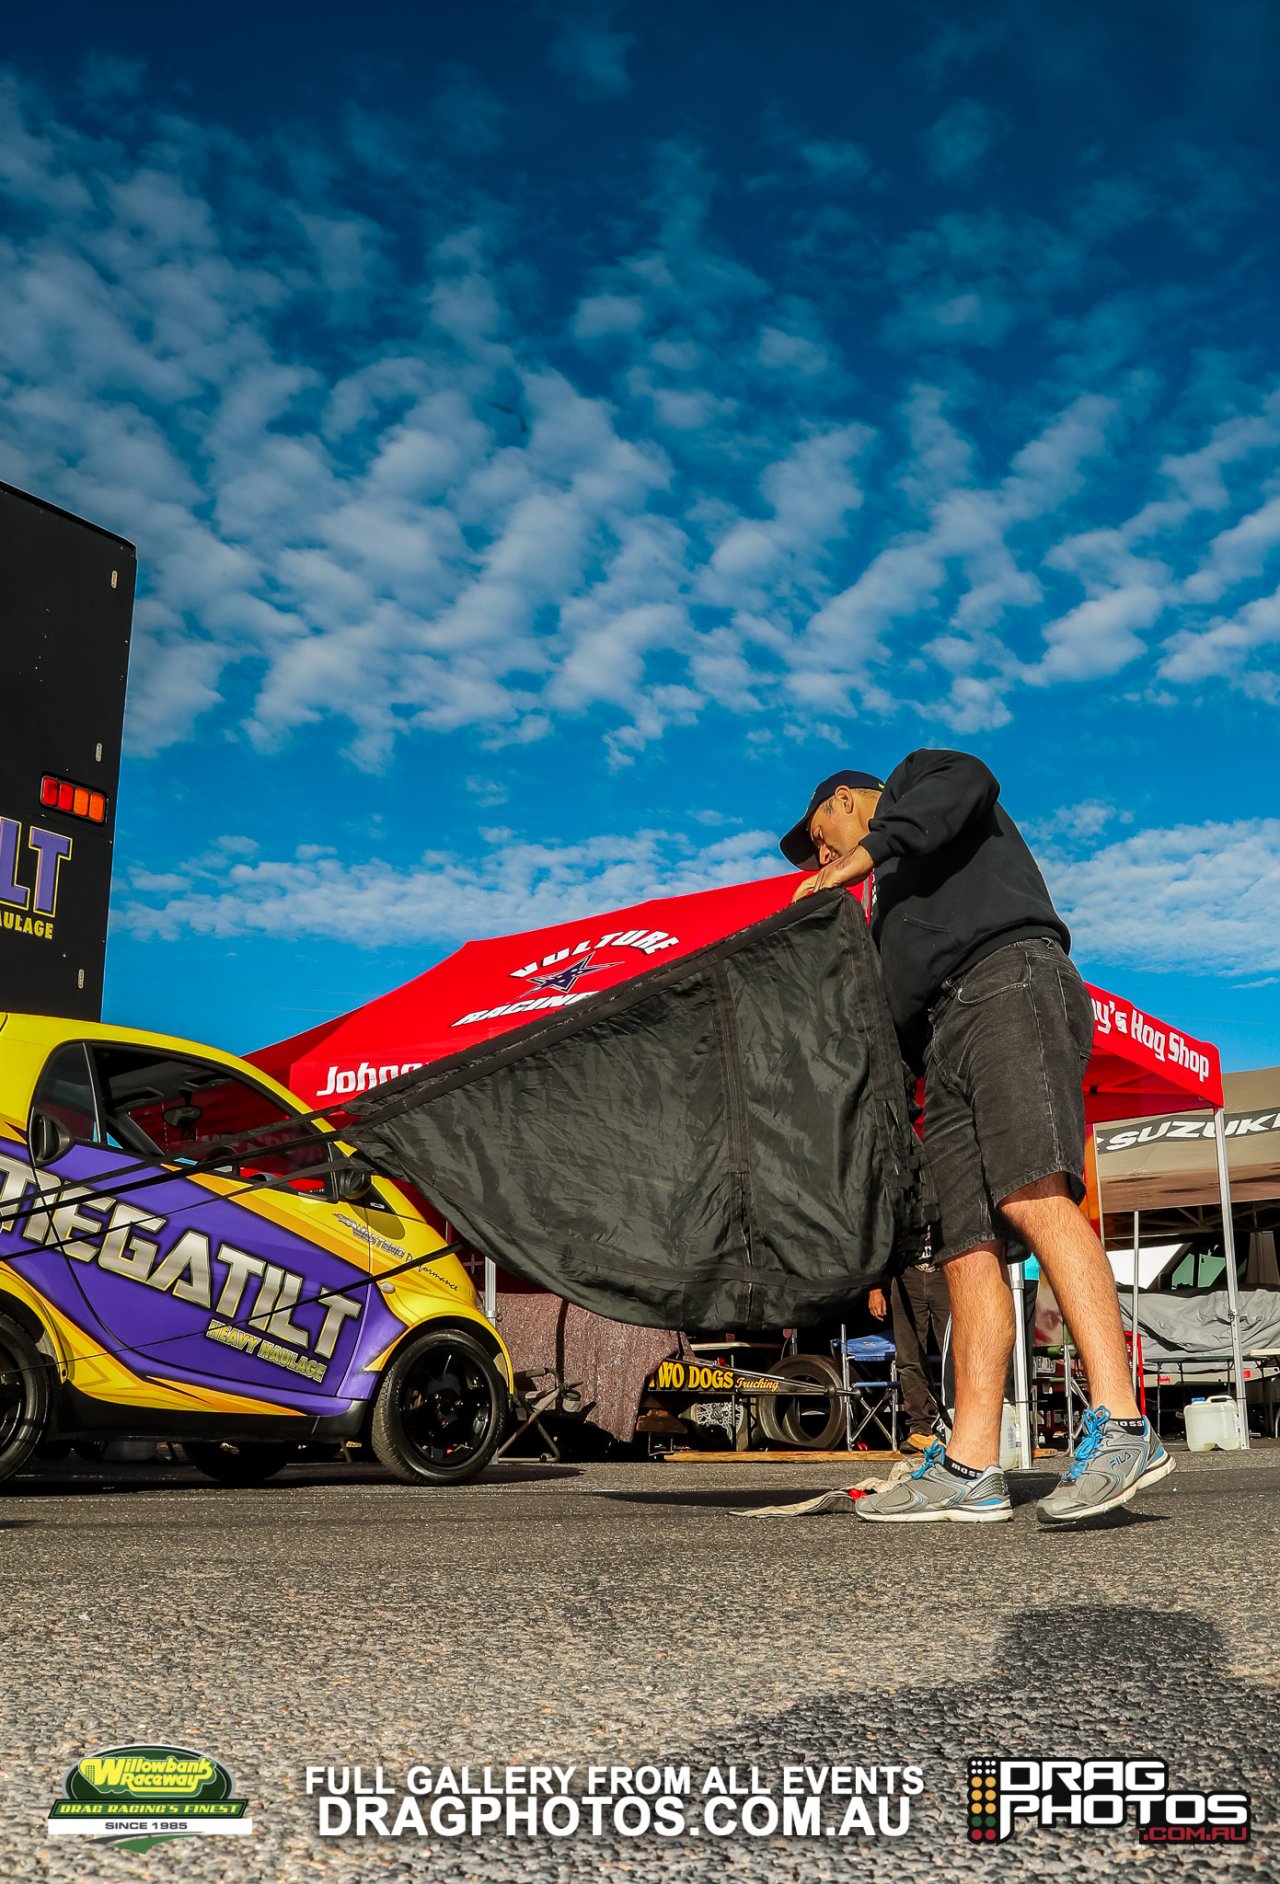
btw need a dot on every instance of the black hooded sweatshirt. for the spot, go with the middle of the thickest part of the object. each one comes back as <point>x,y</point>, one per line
<point>954,881</point>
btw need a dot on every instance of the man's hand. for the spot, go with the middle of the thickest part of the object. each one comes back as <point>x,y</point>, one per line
<point>877,1304</point>
<point>834,876</point>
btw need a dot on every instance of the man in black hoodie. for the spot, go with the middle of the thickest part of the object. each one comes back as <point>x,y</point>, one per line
<point>988,1006</point>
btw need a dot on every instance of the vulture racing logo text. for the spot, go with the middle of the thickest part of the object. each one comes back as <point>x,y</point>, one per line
<point>555,976</point>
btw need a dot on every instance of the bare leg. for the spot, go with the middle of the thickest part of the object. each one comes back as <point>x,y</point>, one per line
<point>1080,1276</point>
<point>981,1342</point>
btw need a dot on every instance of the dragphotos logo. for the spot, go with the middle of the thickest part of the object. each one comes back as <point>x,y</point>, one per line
<point>1099,1794</point>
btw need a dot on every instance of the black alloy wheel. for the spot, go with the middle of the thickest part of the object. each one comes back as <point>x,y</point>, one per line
<point>441,1409</point>
<point>26,1396</point>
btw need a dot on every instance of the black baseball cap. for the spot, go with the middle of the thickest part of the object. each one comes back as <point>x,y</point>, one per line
<point>797,845</point>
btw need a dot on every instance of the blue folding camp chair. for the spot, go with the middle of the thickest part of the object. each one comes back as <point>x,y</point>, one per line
<point>869,1386</point>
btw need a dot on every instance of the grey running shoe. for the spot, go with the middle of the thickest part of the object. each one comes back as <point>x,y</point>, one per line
<point>932,1495</point>
<point>1109,1467</point>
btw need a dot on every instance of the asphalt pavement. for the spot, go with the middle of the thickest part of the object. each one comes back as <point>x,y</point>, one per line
<point>622,1614</point>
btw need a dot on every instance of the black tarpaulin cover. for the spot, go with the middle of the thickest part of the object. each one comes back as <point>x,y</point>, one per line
<point>720,1142</point>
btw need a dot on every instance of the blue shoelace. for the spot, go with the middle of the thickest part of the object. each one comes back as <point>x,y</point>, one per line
<point>1095,1424</point>
<point>934,1456</point>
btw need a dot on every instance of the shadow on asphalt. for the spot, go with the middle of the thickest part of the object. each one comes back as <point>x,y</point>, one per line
<point>1083,1680</point>
<point>520,1472</point>
<point>1070,1681</point>
<point>46,1486</point>
<point>1024,1488</point>
<point>1028,1488</point>
<point>124,1479</point>
<point>721,1499</point>
<point>1122,1519</point>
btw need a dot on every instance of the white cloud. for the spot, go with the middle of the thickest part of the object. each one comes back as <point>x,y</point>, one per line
<point>1237,553</point>
<point>680,408</point>
<point>952,45</point>
<point>969,277</point>
<point>957,143</point>
<point>811,492</point>
<point>588,50</point>
<point>1198,474</point>
<point>603,315</point>
<point>1222,650</point>
<point>374,490</point>
<point>1203,898</point>
<point>1075,825</point>
<point>968,527</point>
<point>438,899</point>
<point>835,161</point>
<point>792,354</point>
<point>1097,637</point>
<point>1199,898</point>
<point>978,315</point>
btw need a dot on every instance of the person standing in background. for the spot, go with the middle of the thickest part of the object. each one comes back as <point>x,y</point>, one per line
<point>921,1313</point>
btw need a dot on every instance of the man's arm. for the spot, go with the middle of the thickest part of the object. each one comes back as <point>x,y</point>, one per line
<point>837,876</point>
<point>933,797</point>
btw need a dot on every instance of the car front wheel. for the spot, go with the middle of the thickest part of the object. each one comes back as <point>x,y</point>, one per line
<point>26,1396</point>
<point>440,1410</point>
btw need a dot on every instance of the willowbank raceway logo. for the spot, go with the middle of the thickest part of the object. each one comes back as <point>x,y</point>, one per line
<point>1099,1794</point>
<point>137,1796</point>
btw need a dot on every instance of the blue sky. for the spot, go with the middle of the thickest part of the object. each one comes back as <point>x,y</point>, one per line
<point>555,435</point>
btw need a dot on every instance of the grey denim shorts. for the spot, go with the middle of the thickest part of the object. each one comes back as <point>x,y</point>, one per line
<point>1009,1041</point>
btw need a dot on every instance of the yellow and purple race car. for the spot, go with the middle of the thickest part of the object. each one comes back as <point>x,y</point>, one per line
<point>185,1256</point>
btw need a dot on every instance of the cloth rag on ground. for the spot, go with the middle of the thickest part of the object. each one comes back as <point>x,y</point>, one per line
<point>843,1501</point>
<point>723,1141</point>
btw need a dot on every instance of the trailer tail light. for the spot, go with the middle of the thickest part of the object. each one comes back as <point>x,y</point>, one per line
<point>77,801</point>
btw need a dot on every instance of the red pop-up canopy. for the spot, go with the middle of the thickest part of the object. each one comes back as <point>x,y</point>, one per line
<point>1139,1064</point>
<point>1142,1065</point>
<point>489,987</point>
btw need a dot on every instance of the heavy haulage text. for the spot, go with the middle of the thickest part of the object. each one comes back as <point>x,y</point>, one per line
<point>632,1801</point>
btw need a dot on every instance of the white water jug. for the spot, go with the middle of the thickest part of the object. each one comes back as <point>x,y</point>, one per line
<point>1010,1450</point>
<point>1213,1422</point>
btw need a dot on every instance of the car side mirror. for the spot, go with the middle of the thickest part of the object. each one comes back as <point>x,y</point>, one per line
<point>48,1138</point>
<point>352,1183</point>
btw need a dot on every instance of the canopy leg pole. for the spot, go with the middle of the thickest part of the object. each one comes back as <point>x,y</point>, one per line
<point>1067,1396</point>
<point>1021,1386</point>
<point>1233,1291</point>
<point>846,1387</point>
<point>1097,1181</point>
<point>490,1287</point>
<point>1066,1332</point>
<point>1133,1313</point>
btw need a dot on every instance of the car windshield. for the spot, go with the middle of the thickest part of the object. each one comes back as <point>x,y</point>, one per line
<point>179,1111</point>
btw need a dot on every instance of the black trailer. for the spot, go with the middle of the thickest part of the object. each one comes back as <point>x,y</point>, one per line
<point>66,610</point>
